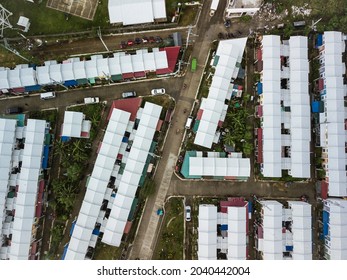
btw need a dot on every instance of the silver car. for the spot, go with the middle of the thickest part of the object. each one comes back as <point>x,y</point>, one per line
<point>158,91</point>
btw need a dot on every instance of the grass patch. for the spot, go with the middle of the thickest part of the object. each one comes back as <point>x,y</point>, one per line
<point>170,243</point>
<point>48,115</point>
<point>9,59</point>
<point>107,252</point>
<point>49,21</point>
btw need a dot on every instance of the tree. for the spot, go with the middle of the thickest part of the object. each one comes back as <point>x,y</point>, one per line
<point>247,148</point>
<point>59,147</point>
<point>73,172</point>
<point>229,139</point>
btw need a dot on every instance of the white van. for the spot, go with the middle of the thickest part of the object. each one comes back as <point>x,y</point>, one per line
<point>47,95</point>
<point>189,122</point>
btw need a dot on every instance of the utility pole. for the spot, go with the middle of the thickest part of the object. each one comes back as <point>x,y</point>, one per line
<point>9,48</point>
<point>100,37</point>
<point>190,33</point>
<point>4,21</point>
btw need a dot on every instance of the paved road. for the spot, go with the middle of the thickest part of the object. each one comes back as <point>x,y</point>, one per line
<point>144,243</point>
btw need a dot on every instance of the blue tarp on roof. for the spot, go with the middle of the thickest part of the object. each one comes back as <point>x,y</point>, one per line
<point>250,206</point>
<point>260,88</point>
<point>45,157</point>
<point>64,252</point>
<point>33,88</point>
<point>289,248</point>
<point>96,231</point>
<point>72,227</point>
<point>224,227</point>
<point>65,139</point>
<point>325,223</point>
<point>125,139</point>
<point>315,107</point>
<point>319,40</point>
<point>70,83</point>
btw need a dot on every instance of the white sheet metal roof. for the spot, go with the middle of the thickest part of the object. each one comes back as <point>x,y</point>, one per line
<point>4,79</point>
<point>136,11</point>
<point>55,73</point>
<point>237,247</point>
<point>272,226</point>
<point>271,102</point>
<point>7,140</point>
<point>97,184</point>
<point>131,175</point>
<point>72,125</point>
<point>91,69</point>
<point>337,241</point>
<point>114,65</point>
<point>229,53</point>
<point>207,239</point>
<point>79,70</point>
<point>26,198</point>
<point>14,78</point>
<point>42,75</point>
<point>302,229</point>
<point>212,166</point>
<point>103,68</point>
<point>300,111</point>
<point>67,71</point>
<point>332,132</point>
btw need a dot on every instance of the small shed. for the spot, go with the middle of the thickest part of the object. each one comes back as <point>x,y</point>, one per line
<point>24,23</point>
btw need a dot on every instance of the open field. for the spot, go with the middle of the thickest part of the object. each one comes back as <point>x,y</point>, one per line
<point>49,21</point>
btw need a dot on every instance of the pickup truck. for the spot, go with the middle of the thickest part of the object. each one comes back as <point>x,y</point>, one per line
<point>91,100</point>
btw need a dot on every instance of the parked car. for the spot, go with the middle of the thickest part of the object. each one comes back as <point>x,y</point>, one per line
<point>138,41</point>
<point>158,91</point>
<point>130,42</point>
<point>227,23</point>
<point>151,39</point>
<point>145,40</point>
<point>123,45</point>
<point>14,110</point>
<point>91,100</point>
<point>158,39</point>
<point>128,94</point>
<point>188,213</point>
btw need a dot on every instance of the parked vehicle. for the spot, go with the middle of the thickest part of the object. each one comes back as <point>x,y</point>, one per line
<point>188,212</point>
<point>123,45</point>
<point>128,94</point>
<point>158,91</point>
<point>194,64</point>
<point>227,23</point>
<point>130,42</point>
<point>151,39</point>
<point>158,39</point>
<point>145,40</point>
<point>91,100</point>
<point>47,95</point>
<point>14,110</point>
<point>189,122</point>
<point>138,41</point>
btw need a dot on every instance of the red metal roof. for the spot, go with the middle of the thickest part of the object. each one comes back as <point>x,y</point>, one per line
<point>320,84</point>
<point>324,189</point>
<point>260,111</point>
<point>128,75</point>
<point>128,227</point>
<point>172,55</point>
<point>199,114</point>
<point>159,124</point>
<point>130,105</point>
<point>259,54</point>
<point>139,74</point>
<point>260,145</point>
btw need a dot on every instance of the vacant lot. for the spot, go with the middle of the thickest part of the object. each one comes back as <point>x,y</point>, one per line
<point>48,21</point>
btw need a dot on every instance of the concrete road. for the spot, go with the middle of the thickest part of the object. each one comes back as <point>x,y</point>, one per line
<point>206,31</point>
<point>106,93</point>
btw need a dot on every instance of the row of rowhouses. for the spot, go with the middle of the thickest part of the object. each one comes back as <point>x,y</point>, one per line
<point>285,133</point>
<point>21,187</point>
<point>121,166</point>
<point>77,71</point>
